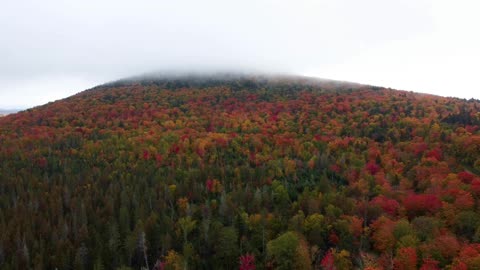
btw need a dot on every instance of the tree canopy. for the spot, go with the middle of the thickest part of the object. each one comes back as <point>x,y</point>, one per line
<point>241,172</point>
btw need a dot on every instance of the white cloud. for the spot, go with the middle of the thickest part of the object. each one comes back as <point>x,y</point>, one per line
<point>443,61</point>
<point>420,45</point>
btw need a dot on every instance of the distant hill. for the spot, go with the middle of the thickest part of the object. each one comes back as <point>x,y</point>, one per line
<point>4,112</point>
<point>233,171</point>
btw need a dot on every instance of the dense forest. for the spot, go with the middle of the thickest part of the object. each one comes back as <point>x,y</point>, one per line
<point>241,172</point>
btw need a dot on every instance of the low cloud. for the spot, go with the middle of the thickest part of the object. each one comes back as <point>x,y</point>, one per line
<point>89,42</point>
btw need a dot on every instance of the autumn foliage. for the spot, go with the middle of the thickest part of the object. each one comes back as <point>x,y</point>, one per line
<point>240,172</point>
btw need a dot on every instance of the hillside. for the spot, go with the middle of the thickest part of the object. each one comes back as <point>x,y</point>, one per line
<point>226,172</point>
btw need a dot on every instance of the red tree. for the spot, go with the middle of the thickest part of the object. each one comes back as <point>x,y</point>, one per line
<point>429,264</point>
<point>247,262</point>
<point>417,204</point>
<point>406,259</point>
<point>328,262</point>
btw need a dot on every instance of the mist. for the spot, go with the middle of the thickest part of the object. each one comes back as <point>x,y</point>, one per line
<point>53,49</point>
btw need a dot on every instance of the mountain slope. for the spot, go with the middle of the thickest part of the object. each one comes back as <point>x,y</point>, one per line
<point>200,170</point>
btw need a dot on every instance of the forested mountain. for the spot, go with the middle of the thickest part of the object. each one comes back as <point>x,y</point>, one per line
<point>241,172</point>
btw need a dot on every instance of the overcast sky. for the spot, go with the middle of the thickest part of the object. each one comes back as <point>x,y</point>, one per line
<point>52,49</point>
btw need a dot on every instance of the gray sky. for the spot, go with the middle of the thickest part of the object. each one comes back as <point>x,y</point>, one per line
<point>53,49</point>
